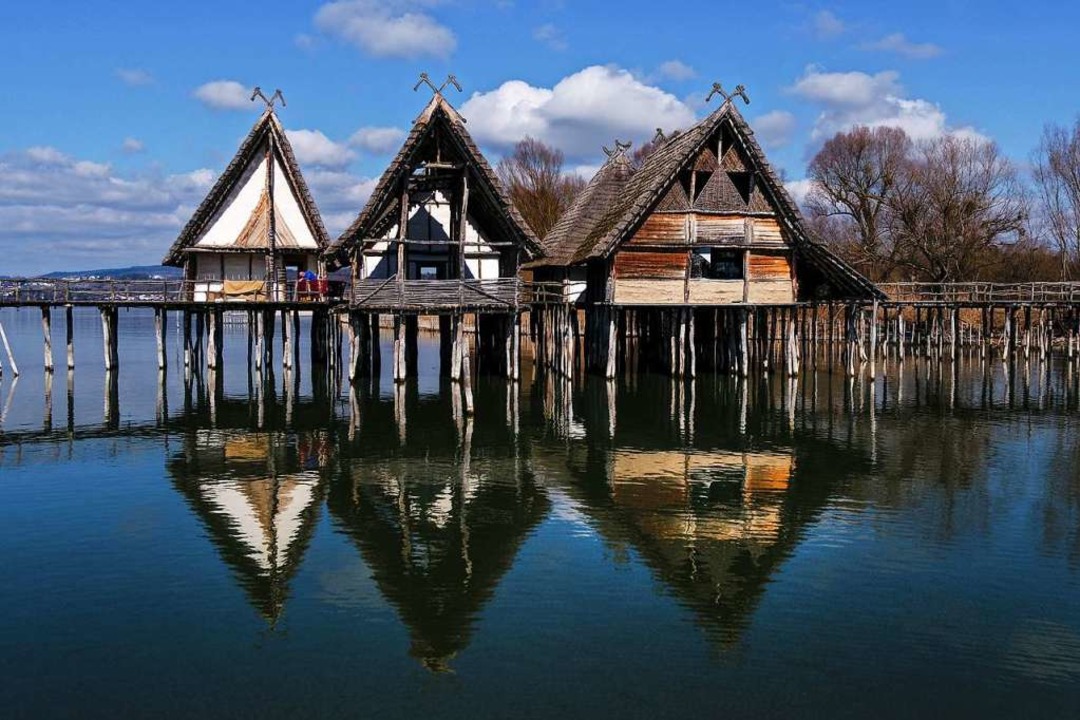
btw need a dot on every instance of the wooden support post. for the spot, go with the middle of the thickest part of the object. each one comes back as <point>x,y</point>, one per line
<point>187,337</point>
<point>286,341</point>
<point>160,319</point>
<point>399,350</point>
<point>109,338</point>
<point>354,347</point>
<point>258,330</point>
<point>46,331</point>
<point>744,350</point>
<point>691,342</point>
<point>612,344</point>
<point>873,339</point>
<point>455,347</point>
<point>466,377</point>
<point>515,352</point>
<point>200,331</point>
<point>7,349</point>
<point>295,315</point>
<point>954,328</point>
<point>212,340</point>
<point>70,330</point>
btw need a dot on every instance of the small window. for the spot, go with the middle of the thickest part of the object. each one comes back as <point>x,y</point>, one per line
<point>726,264</point>
<point>429,272</point>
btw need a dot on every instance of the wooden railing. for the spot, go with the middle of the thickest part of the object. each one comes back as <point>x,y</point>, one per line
<point>40,291</point>
<point>390,294</point>
<point>981,293</point>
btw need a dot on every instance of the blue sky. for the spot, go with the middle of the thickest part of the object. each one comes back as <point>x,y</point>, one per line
<point>118,115</point>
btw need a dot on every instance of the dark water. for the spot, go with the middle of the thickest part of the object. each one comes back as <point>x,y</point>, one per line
<point>755,549</point>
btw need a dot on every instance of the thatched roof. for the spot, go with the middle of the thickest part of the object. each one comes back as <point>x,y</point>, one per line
<point>267,126</point>
<point>382,208</point>
<point>580,220</point>
<point>598,222</point>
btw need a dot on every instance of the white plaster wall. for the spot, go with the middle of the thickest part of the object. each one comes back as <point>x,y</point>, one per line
<point>229,221</point>
<point>288,209</point>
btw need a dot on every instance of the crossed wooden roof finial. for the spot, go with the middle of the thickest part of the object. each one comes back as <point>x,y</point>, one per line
<point>620,148</point>
<point>717,88</point>
<point>258,93</point>
<point>426,80</point>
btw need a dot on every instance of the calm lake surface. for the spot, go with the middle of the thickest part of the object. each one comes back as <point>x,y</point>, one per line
<point>715,548</point>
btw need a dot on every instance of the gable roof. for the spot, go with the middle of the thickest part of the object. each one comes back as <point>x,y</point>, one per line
<point>644,189</point>
<point>384,200</point>
<point>266,127</point>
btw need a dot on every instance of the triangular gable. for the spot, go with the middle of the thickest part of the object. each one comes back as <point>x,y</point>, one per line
<point>381,209</point>
<point>237,207</point>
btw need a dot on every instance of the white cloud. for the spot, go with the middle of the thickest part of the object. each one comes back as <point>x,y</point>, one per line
<point>377,139</point>
<point>312,147</point>
<point>578,115</point>
<point>340,196</point>
<point>827,26</point>
<point>46,155</point>
<point>551,36</point>
<point>675,70</point>
<point>897,43</point>
<point>57,211</point>
<point>774,128</point>
<point>224,95</point>
<point>304,41</point>
<point>856,98</point>
<point>132,145</point>
<point>134,77</point>
<point>851,89</point>
<point>387,28</point>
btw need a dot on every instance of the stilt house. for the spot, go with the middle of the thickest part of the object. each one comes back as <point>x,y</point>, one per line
<point>702,235</point>
<point>439,233</point>
<point>703,222</point>
<point>257,228</point>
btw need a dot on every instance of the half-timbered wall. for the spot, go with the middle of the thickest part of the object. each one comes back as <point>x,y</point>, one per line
<point>430,222</point>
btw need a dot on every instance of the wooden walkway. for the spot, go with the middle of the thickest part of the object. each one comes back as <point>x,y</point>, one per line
<point>167,294</point>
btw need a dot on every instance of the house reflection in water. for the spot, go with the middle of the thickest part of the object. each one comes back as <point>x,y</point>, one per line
<point>258,495</point>
<point>712,525</point>
<point>438,537</point>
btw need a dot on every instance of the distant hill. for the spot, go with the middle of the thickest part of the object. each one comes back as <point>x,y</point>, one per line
<point>136,272</point>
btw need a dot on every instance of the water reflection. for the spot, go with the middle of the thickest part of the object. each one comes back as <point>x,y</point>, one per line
<point>712,514</point>
<point>258,496</point>
<point>930,517</point>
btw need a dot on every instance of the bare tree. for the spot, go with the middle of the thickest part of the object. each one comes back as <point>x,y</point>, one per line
<point>855,176</point>
<point>958,200</point>
<point>541,191</point>
<point>1056,170</point>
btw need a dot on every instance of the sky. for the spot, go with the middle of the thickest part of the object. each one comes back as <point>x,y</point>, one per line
<point>117,115</point>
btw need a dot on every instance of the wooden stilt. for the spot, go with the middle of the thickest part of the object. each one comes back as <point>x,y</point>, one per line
<point>7,349</point>
<point>70,330</point>
<point>159,333</point>
<point>466,377</point>
<point>46,331</point>
<point>873,340</point>
<point>212,340</point>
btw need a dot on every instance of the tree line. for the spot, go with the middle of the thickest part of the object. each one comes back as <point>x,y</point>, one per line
<point>950,209</point>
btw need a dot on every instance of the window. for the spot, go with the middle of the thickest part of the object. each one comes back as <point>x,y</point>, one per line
<point>726,264</point>
<point>429,272</point>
